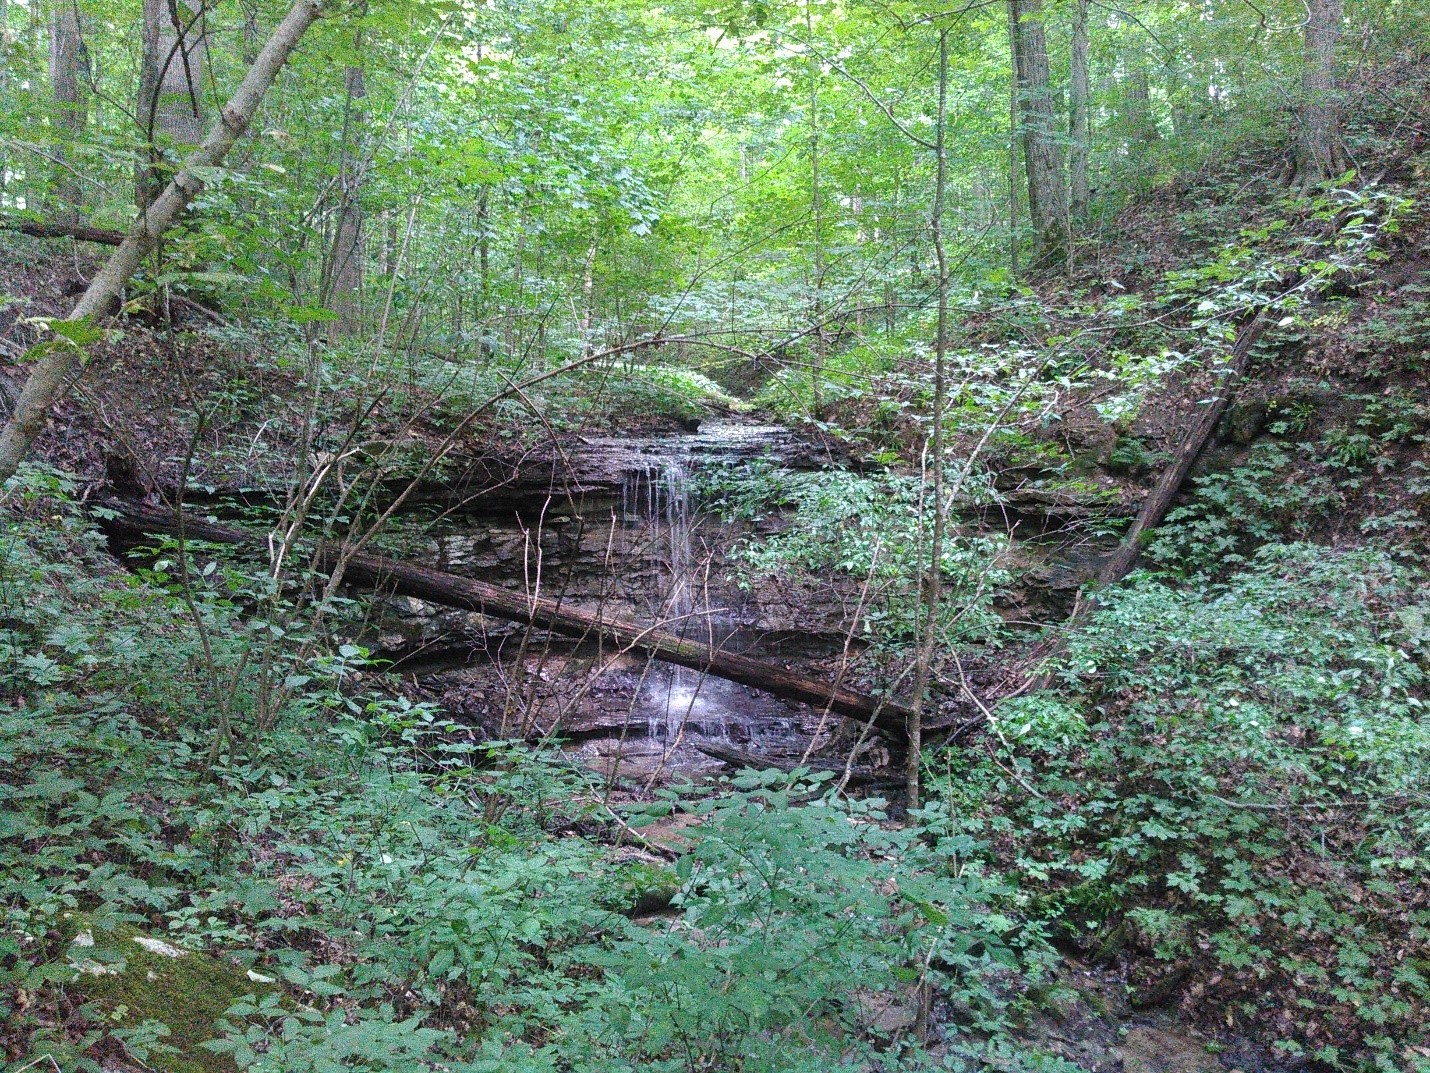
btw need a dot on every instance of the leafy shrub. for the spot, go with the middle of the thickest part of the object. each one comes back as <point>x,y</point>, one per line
<point>1230,781</point>
<point>423,899</point>
<point>865,527</point>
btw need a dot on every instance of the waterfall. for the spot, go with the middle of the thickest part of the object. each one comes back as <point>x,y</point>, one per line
<point>658,493</point>
<point>657,529</point>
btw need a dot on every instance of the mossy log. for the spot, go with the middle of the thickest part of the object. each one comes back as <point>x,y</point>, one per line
<point>384,575</point>
<point>103,236</point>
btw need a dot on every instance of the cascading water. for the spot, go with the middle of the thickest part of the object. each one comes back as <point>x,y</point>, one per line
<point>660,523</point>
<point>662,563</point>
<point>658,493</point>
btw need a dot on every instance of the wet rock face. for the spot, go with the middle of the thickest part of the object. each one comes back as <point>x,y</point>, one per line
<point>618,533</point>
<point>624,538</point>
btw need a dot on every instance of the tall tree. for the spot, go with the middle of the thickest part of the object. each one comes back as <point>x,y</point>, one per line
<point>5,65</point>
<point>1320,156</point>
<point>816,204</point>
<point>1078,94</point>
<point>68,61</point>
<point>1139,122</point>
<point>931,581</point>
<point>1042,156</point>
<point>171,72</point>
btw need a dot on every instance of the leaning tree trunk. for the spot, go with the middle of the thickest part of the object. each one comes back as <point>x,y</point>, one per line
<point>1320,155</point>
<point>1042,157</point>
<point>1194,442</point>
<point>67,62</point>
<point>171,72</point>
<point>1079,93</point>
<point>48,374</point>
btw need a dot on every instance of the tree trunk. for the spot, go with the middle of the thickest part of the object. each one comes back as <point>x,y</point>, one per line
<point>588,296</point>
<point>1160,499</point>
<point>1320,156</point>
<point>48,375</point>
<point>816,204</point>
<point>67,62</point>
<point>1079,94</point>
<point>1013,169</point>
<point>102,235</point>
<point>859,774</point>
<point>346,272</point>
<point>388,576</point>
<point>1042,157</point>
<point>931,583</point>
<point>1140,123</point>
<point>5,65</point>
<point>171,75</point>
<point>484,250</point>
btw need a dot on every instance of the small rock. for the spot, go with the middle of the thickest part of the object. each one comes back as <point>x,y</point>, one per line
<point>158,946</point>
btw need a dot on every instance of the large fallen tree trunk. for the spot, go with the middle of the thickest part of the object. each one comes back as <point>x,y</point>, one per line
<point>1161,498</point>
<point>859,774</point>
<point>1158,501</point>
<point>389,576</point>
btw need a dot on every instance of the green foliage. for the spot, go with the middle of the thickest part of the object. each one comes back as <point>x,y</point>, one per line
<point>874,528</point>
<point>1229,777</point>
<point>661,389</point>
<point>418,898</point>
<point>1397,336</point>
<point>1258,502</point>
<point>1284,489</point>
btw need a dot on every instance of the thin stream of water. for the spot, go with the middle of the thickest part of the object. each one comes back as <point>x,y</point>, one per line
<point>658,493</point>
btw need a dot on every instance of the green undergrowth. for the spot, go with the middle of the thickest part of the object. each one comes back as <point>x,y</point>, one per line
<point>1033,367</point>
<point>420,898</point>
<point>590,396</point>
<point>1354,471</point>
<point>875,530</point>
<point>1226,792</point>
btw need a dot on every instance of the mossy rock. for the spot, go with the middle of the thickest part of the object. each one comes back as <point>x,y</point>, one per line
<point>646,888</point>
<point>133,978</point>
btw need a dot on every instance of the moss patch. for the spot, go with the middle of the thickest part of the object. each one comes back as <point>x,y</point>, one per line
<point>134,977</point>
<point>645,888</point>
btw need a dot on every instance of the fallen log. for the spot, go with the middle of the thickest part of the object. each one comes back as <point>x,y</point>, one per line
<point>402,579</point>
<point>859,774</point>
<point>85,234</point>
<point>1164,494</point>
<point>1155,506</point>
